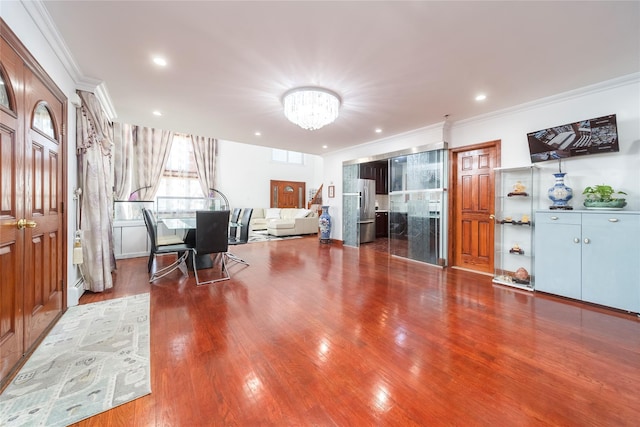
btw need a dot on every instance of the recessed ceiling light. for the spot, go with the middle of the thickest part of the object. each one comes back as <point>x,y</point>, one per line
<point>160,61</point>
<point>258,134</point>
<point>325,146</point>
<point>157,113</point>
<point>481,97</point>
<point>378,130</point>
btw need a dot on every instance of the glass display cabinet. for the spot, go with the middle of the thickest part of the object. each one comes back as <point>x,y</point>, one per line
<point>514,227</point>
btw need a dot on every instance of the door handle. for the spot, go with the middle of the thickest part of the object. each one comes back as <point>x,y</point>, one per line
<point>24,223</point>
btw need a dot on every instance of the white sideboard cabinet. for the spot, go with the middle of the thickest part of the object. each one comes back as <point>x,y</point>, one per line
<point>592,256</point>
<point>130,238</point>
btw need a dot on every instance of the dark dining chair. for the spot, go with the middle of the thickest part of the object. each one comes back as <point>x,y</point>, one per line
<point>233,224</point>
<point>212,238</point>
<point>244,235</point>
<point>180,249</point>
<point>244,227</point>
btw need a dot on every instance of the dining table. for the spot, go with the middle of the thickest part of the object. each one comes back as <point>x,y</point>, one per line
<point>188,224</point>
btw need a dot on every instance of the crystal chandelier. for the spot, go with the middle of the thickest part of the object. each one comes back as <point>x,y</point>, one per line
<point>311,107</point>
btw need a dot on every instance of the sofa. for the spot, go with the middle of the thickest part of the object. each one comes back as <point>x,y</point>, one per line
<point>258,220</point>
<point>284,221</point>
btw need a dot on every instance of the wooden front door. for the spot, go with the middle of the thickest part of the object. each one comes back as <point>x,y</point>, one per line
<point>32,236</point>
<point>473,206</point>
<point>287,194</point>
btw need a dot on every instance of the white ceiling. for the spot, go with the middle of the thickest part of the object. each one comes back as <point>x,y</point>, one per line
<point>397,65</point>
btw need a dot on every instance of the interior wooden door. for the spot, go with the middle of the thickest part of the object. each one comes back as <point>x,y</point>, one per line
<point>32,191</point>
<point>473,206</point>
<point>42,196</point>
<point>11,210</point>
<point>287,194</point>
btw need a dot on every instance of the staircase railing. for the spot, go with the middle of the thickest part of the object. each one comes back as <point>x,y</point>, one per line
<point>316,199</point>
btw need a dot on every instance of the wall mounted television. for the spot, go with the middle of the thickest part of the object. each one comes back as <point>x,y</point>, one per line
<point>593,136</point>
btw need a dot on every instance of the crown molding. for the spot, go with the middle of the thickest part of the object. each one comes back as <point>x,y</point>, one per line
<point>564,96</point>
<point>41,18</point>
<point>103,96</point>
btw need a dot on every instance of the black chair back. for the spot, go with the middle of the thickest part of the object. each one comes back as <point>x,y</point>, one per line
<point>212,232</point>
<point>235,215</point>
<point>244,229</point>
<point>233,229</point>
<point>181,250</point>
<point>150,223</point>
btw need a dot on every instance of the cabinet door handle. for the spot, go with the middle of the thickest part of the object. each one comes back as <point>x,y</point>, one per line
<point>553,218</point>
<point>613,219</point>
<point>587,241</point>
<point>576,240</point>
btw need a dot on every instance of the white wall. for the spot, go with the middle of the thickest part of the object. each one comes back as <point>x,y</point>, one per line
<point>620,170</point>
<point>245,170</point>
<point>18,16</point>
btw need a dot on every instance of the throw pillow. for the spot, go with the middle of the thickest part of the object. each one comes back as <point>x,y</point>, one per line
<point>272,213</point>
<point>302,213</point>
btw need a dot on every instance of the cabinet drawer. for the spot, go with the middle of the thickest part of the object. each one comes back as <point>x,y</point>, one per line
<point>611,219</point>
<point>545,217</point>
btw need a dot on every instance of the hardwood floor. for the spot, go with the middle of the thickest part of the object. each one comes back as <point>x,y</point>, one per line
<point>324,335</point>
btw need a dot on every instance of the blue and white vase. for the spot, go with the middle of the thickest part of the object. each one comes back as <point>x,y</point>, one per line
<point>324,223</point>
<point>560,194</point>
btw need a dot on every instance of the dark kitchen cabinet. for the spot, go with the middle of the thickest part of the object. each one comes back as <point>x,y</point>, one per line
<point>382,224</point>
<point>368,171</point>
<point>382,178</point>
<point>379,172</point>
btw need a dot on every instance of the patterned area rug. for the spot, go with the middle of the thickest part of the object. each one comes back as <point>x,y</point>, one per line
<point>263,236</point>
<point>95,358</point>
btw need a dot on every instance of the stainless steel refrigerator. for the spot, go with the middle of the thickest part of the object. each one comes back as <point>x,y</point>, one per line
<point>367,210</point>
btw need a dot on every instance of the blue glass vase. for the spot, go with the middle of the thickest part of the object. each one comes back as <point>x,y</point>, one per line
<point>560,194</point>
<point>324,223</point>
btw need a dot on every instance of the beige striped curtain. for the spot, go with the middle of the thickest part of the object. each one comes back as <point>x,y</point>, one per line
<point>151,149</point>
<point>205,151</point>
<point>94,143</point>
<point>140,157</point>
<point>122,161</point>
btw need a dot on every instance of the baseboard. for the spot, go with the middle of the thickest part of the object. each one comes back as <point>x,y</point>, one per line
<point>74,293</point>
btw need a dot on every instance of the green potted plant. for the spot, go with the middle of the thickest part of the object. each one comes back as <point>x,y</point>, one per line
<point>603,197</point>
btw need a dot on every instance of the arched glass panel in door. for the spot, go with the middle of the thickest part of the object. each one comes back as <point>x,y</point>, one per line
<point>43,121</point>
<point>4,94</point>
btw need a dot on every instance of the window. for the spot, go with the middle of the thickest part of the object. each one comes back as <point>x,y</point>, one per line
<point>180,177</point>
<point>42,120</point>
<point>285,156</point>
<point>4,96</point>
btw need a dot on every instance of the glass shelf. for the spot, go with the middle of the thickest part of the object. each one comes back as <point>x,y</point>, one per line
<point>514,227</point>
